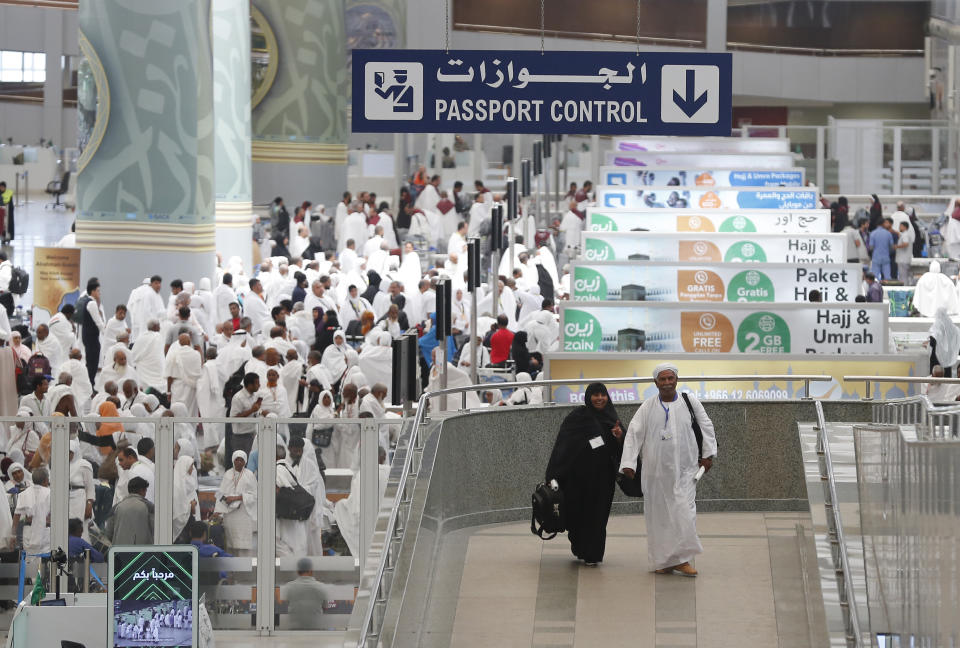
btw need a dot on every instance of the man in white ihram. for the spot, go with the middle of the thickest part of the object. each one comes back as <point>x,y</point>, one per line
<point>661,432</point>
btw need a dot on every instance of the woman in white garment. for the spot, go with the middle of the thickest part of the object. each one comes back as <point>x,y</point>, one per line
<point>944,342</point>
<point>185,502</point>
<point>82,488</point>
<point>237,504</point>
<point>376,359</point>
<point>334,358</point>
<point>525,395</point>
<point>320,429</point>
<point>23,437</point>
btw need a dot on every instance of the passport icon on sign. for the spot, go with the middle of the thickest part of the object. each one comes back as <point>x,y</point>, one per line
<point>393,90</point>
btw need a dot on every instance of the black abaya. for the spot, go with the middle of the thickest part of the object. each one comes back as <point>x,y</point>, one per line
<point>587,475</point>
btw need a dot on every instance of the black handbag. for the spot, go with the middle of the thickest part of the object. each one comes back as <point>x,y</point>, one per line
<point>548,510</point>
<point>294,503</point>
<point>321,436</point>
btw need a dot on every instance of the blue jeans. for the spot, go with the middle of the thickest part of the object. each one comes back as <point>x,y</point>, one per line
<point>881,268</point>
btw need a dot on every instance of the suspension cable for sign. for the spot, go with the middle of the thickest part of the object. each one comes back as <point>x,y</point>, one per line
<point>541,25</point>
<point>446,26</point>
<point>638,27</point>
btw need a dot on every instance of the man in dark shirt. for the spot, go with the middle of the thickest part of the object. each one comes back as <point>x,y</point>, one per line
<point>198,532</point>
<point>76,545</point>
<point>874,289</point>
<point>500,342</point>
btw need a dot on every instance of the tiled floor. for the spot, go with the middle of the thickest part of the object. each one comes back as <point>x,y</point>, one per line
<point>515,590</point>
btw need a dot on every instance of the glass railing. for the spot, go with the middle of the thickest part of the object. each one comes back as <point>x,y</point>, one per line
<point>198,493</point>
<point>910,520</point>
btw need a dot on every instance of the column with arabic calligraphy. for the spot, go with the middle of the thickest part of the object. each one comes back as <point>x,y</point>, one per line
<point>300,125</point>
<point>145,189</point>
<point>229,29</point>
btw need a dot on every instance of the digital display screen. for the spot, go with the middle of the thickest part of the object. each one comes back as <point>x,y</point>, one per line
<point>152,597</point>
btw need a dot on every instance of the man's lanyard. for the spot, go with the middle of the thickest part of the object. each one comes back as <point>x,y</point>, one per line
<point>666,410</point>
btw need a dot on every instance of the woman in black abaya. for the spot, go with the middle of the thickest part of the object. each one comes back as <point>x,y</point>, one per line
<point>584,461</point>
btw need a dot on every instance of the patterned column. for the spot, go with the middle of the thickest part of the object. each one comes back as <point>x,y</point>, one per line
<point>145,189</point>
<point>230,31</point>
<point>300,126</point>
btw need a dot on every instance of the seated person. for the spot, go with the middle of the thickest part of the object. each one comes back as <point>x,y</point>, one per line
<point>198,533</point>
<point>77,545</point>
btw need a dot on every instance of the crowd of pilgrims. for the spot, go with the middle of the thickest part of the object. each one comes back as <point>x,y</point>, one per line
<point>307,334</point>
<point>155,623</point>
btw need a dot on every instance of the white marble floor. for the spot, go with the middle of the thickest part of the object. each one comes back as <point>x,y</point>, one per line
<point>35,226</point>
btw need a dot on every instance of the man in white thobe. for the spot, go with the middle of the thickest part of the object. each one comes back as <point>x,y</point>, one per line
<point>147,356</point>
<point>354,227</point>
<point>305,469</point>
<point>210,399</point>
<point>255,306</point>
<point>291,534</point>
<point>182,368</point>
<point>661,432</point>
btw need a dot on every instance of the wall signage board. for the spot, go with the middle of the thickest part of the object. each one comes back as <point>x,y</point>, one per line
<point>692,177</point>
<point>807,221</point>
<point>719,282</point>
<point>713,248</point>
<point>674,197</point>
<point>725,328</point>
<point>606,93</point>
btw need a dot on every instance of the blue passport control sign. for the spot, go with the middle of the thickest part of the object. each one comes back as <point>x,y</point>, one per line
<point>589,93</point>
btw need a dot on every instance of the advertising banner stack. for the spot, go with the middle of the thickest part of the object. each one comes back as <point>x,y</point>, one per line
<point>711,259</point>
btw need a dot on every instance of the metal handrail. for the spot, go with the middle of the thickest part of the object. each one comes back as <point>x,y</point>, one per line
<point>392,536</point>
<point>847,594</point>
<point>868,380</point>
<point>806,378</point>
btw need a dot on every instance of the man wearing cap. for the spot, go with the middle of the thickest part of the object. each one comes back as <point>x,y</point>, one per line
<point>662,434</point>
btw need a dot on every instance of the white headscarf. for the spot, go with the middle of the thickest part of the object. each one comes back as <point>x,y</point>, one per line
<point>322,411</point>
<point>665,366</point>
<point>945,332</point>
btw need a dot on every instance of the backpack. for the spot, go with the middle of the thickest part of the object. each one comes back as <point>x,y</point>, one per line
<point>19,281</point>
<point>81,308</point>
<point>294,503</point>
<point>233,385</point>
<point>37,366</point>
<point>548,510</point>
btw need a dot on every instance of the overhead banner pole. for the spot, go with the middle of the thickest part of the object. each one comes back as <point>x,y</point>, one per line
<point>473,284</point>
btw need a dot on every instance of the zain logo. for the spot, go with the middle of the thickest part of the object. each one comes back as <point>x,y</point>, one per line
<point>587,285</point>
<point>748,250</point>
<point>701,277</point>
<point>700,248</point>
<point>752,278</point>
<point>574,330</point>
<point>708,321</point>
<point>695,222</point>
<point>766,323</point>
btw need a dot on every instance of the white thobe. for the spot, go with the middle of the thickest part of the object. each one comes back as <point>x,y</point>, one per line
<point>428,198</point>
<point>183,364</point>
<point>61,329</point>
<point>308,474</point>
<point>667,444</point>
<point>354,227</point>
<point>291,534</point>
<point>478,214</point>
<point>147,358</point>
<point>210,402</point>
<point>256,309</point>
<point>223,296</point>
